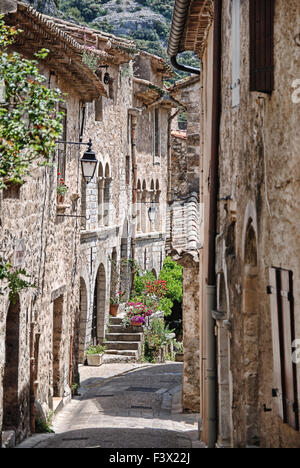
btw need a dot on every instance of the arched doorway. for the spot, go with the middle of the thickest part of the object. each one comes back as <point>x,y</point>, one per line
<point>57,363</point>
<point>11,407</point>
<point>99,307</point>
<point>83,321</point>
<point>251,337</point>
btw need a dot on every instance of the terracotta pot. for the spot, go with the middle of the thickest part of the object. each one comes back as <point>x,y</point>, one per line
<point>114,310</point>
<point>60,199</point>
<point>136,324</point>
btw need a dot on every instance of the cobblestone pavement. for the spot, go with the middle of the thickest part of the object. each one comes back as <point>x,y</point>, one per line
<point>124,406</point>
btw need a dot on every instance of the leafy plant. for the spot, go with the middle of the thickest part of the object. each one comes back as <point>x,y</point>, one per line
<point>155,338</point>
<point>96,349</point>
<point>29,120</point>
<point>61,185</point>
<point>14,278</point>
<point>117,299</point>
<point>90,59</point>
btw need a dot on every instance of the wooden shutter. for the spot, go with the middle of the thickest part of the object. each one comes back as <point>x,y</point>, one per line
<point>283,335</point>
<point>276,326</point>
<point>236,53</point>
<point>262,45</point>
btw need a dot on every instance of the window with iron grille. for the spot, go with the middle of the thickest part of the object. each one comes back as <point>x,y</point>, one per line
<point>262,45</point>
<point>285,389</point>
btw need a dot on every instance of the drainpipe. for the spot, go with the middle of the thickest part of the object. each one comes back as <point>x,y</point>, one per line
<point>184,68</point>
<point>211,372</point>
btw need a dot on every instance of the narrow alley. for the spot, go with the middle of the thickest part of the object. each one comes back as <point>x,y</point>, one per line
<point>124,406</point>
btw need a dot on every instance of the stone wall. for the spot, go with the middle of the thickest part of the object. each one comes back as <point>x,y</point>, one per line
<point>30,214</point>
<point>259,170</point>
<point>8,6</point>
<point>184,222</point>
<point>107,200</point>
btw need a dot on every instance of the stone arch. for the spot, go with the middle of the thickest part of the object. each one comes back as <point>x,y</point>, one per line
<point>157,184</point>
<point>11,407</point>
<point>57,358</point>
<point>100,169</point>
<point>154,272</point>
<point>144,199</point>
<point>83,321</point>
<point>100,194</point>
<point>139,207</point>
<point>107,195</point>
<point>152,185</point>
<point>99,306</point>
<point>251,320</point>
<point>107,170</point>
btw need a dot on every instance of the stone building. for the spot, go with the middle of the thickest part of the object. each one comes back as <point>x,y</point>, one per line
<point>249,381</point>
<point>78,251</point>
<point>129,129</point>
<point>184,213</point>
<point>42,236</point>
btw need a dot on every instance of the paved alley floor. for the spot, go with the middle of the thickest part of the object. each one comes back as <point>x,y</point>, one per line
<point>124,406</point>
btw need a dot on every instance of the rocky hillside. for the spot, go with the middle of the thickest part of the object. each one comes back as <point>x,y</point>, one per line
<point>147,22</point>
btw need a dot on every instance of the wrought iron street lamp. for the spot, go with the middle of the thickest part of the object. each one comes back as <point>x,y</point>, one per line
<point>152,212</point>
<point>88,161</point>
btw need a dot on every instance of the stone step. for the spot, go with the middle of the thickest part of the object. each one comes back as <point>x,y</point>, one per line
<point>115,320</point>
<point>118,358</point>
<point>119,345</point>
<point>120,329</point>
<point>124,336</point>
<point>122,352</point>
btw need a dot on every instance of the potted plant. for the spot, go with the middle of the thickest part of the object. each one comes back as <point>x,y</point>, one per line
<point>179,354</point>
<point>61,189</point>
<point>115,302</point>
<point>137,312</point>
<point>95,355</point>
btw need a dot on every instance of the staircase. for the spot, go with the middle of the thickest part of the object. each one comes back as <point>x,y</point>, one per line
<point>122,344</point>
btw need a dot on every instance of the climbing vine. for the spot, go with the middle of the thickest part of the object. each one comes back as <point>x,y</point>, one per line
<point>29,120</point>
<point>13,279</point>
<point>29,126</point>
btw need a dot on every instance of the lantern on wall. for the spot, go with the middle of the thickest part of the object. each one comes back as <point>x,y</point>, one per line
<point>152,212</point>
<point>89,163</point>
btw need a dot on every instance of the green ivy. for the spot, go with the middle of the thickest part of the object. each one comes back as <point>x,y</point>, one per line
<point>14,278</point>
<point>29,121</point>
<point>29,126</point>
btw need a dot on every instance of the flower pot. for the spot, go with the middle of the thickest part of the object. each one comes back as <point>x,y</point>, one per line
<point>179,357</point>
<point>95,359</point>
<point>136,324</point>
<point>60,199</point>
<point>114,310</point>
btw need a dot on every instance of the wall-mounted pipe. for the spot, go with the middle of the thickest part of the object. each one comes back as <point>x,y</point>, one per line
<point>213,204</point>
<point>184,68</point>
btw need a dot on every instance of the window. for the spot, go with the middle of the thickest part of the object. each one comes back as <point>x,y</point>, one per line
<point>262,45</point>
<point>156,135</point>
<point>283,335</point>
<point>236,53</point>
<point>62,150</point>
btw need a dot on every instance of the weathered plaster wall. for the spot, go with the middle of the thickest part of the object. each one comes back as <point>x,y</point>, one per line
<point>259,169</point>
